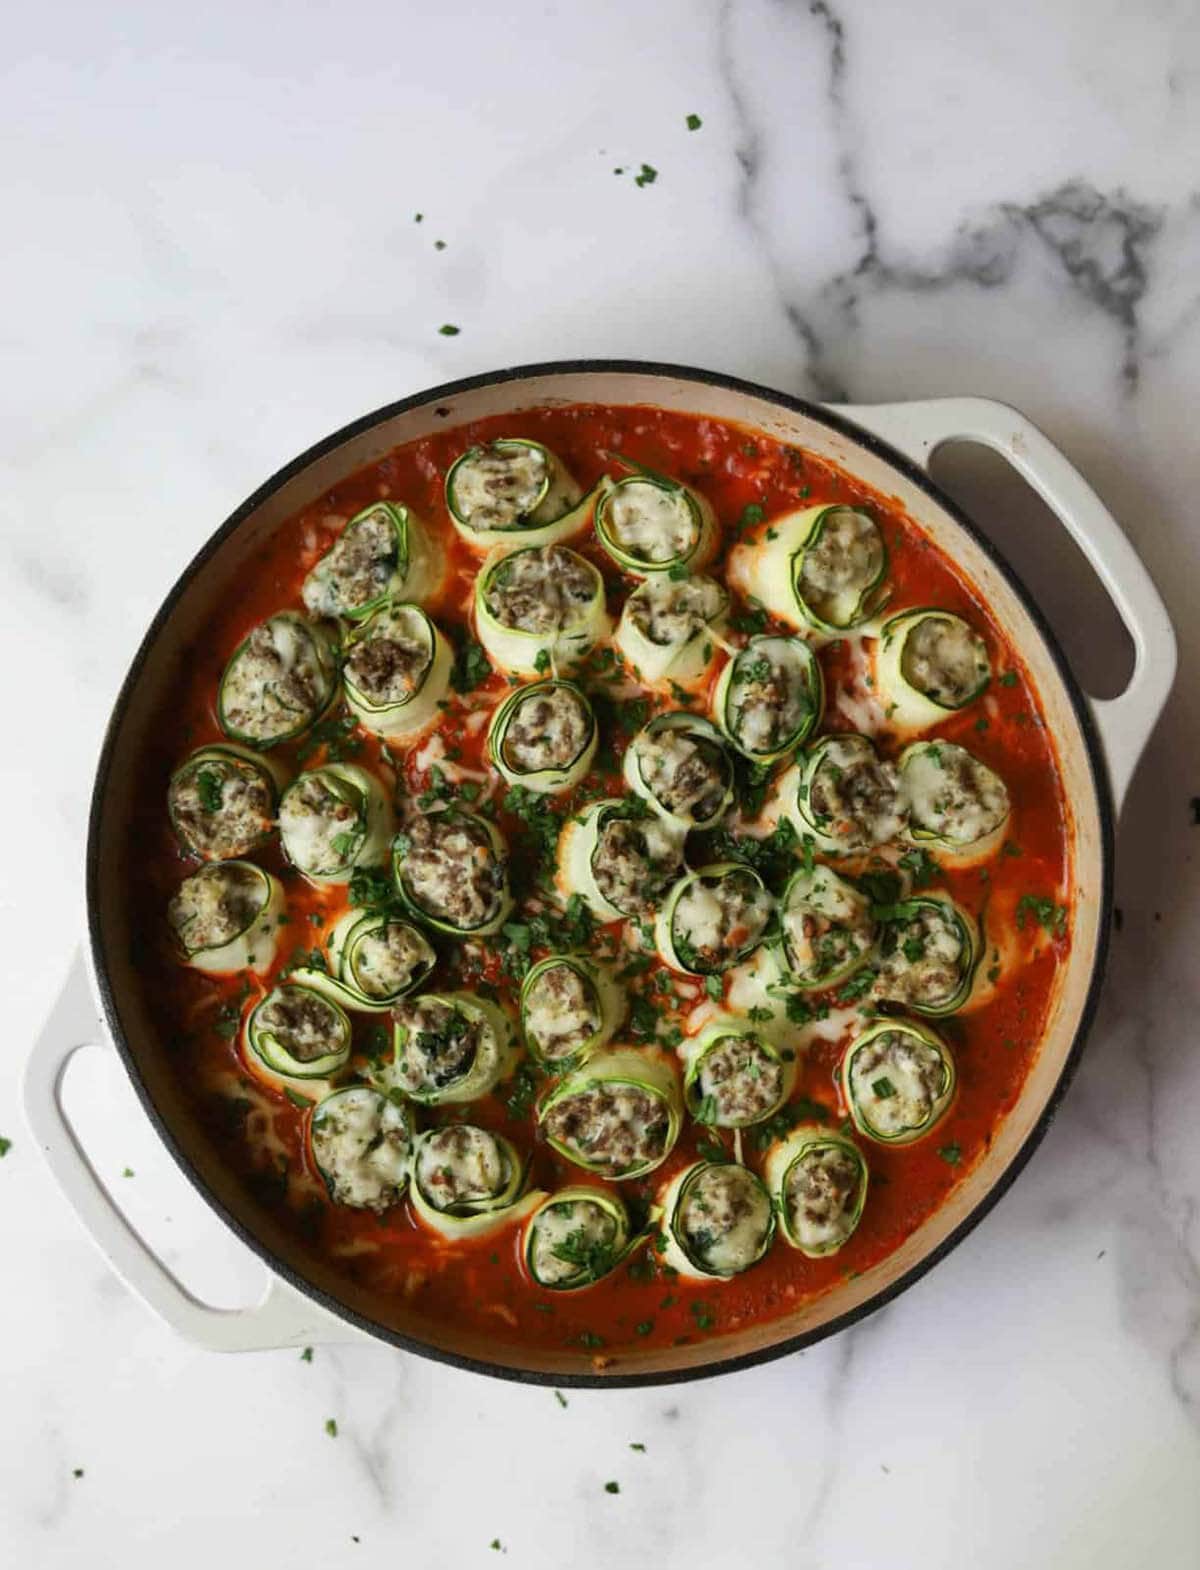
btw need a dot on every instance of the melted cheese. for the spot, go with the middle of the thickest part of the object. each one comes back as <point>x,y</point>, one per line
<point>649,523</point>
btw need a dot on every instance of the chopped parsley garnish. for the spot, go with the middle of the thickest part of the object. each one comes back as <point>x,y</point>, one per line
<point>883,1088</point>
<point>337,735</point>
<point>715,987</point>
<point>921,867</point>
<point>209,789</point>
<point>1052,917</point>
<point>471,666</point>
<point>951,1154</point>
<point>526,1083</point>
<point>752,515</point>
<point>541,662</point>
<point>703,1315</point>
<point>1008,679</point>
<point>594,1257</point>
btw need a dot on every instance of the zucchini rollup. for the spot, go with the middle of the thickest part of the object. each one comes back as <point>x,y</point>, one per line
<point>373,960</point>
<point>649,523</point>
<point>929,952</point>
<point>575,1237</point>
<point>539,608</point>
<point>514,491</point>
<point>451,869</point>
<point>955,801</point>
<point>361,1145</point>
<point>828,931</point>
<point>769,697</point>
<point>818,1179</point>
<point>383,553</point>
<point>449,1047</point>
<point>844,796</point>
<point>928,664</point>
<point>898,1078</point>
<point>543,737</point>
<point>397,671</point>
<point>712,918</point>
<point>570,1007</point>
<point>334,819</point>
<point>821,568</point>
<point>678,765</point>
<point>222,801</point>
<point>718,1220</point>
<point>227,917</point>
<point>619,860</point>
<point>669,629</point>
<point>468,1181</point>
<point>297,1033</point>
<point>279,680</point>
<point>618,1116</point>
<point>734,1076</point>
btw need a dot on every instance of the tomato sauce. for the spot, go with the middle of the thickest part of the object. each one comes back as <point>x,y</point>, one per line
<point>262,1134</point>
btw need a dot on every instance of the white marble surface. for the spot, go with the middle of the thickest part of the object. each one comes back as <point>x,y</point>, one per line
<point>209,260</point>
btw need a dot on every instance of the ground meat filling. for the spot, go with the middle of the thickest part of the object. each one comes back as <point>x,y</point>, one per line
<point>388,664</point>
<point>821,1196</point>
<point>498,487</point>
<point>670,612</point>
<point>216,905</point>
<point>924,959</point>
<point>687,775</point>
<point>361,1144</point>
<point>724,1218</point>
<point>944,659</point>
<point>356,570</point>
<point>221,808</point>
<point>854,797</point>
<point>275,682</point>
<point>738,1083</point>
<point>649,522</point>
<point>386,960</point>
<point>572,1242</point>
<point>610,1128</point>
<point>634,862</point>
<point>717,920</point>
<point>548,730</point>
<point>436,1045</point>
<point>953,795</point>
<point>304,1024</point>
<point>451,871</point>
<point>845,560</point>
<point>545,589</point>
<point>562,1012</point>
<point>826,928</point>
<point>896,1079</point>
<point>460,1166</point>
<point>322,823</point>
<point>769,696</point>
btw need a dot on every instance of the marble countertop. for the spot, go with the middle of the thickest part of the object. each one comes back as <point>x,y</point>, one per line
<point>211,258</point>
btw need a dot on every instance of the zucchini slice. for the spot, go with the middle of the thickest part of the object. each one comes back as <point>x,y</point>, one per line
<point>514,491</point>
<point>898,1078</point>
<point>679,766</point>
<point>735,1076</point>
<point>448,1047</point>
<point>295,1032</point>
<point>955,801</point>
<point>278,681</point>
<point>929,953</point>
<point>929,664</point>
<point>451,869</point>
<point>397,671</point>
<point>827,930</point>
<point>618,1116</point>
<point>539,609</point>
<point>384,553</point>
<point>712,918</point>
<point>818,1179</point>
<point>469,1181</point>
<point>374,959</point>
<point>544,737</point>
<point>571,1006</point>
<point>670,629</point>
<point>361,1144</point>
<point>619,860</point>
<point>227,917</point>
<point>844,796</point>
<point>769,697</point>
<point>574,1238</point>
<point>822,569</point>
<point>222,801</point>
<point>334,819</point>
<point>718,1220</point>
<point>649,523</point>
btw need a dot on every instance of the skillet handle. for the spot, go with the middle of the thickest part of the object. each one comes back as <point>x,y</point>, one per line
<point>282,1317</point>
<point>919,429</point>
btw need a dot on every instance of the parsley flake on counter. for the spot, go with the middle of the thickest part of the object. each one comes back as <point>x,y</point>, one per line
<point>306,1355</point>
<point>560,1398</point>
<point>646,175</point>
<point>331,1427</point>
<point>77,1472</point>
<point>128,1172</point>
<point>449,330</point>
<point>641,1449</point>
<point>693,122</point>
<point>5,1145</point>
<point>612,1488</point>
